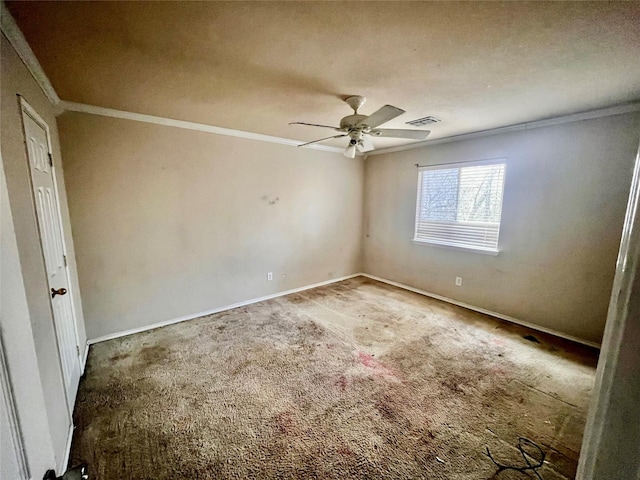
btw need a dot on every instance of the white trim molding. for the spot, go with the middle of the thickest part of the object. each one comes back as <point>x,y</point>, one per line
<point>480,251</point>
<point>533,326</point>
<point>125,333</point>
<point>15,432</point>
<point>576,117</point>
<point>67,450</point>
<point>84,357</point>
<point>200,127</point>
<point>22,48</point>
<point>19,43</point>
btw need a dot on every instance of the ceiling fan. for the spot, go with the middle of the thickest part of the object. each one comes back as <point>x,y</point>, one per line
<point>360,127</point>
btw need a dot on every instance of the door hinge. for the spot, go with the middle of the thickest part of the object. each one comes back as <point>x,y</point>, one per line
<point>50,160</point>
<point>78,349</point>
<point>65,260</point>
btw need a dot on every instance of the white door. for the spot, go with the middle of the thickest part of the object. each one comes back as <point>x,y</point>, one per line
<point>48,213</point>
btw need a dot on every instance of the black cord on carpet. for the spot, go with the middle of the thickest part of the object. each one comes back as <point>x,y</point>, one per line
<point>522,443</point>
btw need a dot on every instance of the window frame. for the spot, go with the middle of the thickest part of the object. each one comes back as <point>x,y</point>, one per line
<point>458,165</point>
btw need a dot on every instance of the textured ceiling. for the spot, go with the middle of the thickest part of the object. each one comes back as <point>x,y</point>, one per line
<point>255,66</point>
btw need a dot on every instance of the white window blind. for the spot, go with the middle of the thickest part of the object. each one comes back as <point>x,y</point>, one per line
<point>460,205</point>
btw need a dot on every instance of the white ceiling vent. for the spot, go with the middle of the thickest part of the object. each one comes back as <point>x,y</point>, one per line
<point>421,122</point>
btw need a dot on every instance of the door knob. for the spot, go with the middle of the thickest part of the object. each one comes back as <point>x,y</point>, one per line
<point>60,291</point>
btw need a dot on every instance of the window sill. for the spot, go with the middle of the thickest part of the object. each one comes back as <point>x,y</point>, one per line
<point>481,251</point>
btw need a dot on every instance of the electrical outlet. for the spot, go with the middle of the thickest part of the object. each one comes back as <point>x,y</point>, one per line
<point>458,281</point>
<point>269,276</point>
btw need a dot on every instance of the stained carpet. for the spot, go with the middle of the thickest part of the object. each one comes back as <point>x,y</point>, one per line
<point>354,380</point>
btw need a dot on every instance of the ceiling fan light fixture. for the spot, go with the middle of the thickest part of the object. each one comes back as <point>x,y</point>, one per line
<point>350,151</point>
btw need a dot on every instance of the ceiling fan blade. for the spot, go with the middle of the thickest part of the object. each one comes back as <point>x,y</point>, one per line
<point>313,125</point>
<point>365,144</point>
<point>382,115</point>
<point>400,133</point>
<point>321,140</point>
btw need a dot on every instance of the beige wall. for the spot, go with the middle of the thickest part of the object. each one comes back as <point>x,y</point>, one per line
<point>17,80</point>
<point>564,202</point>
<point>171,222</point>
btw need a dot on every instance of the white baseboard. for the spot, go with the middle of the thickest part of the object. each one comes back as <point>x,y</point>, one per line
<point>486,312</point>
<point>67,452</point>
<point>327,282</point>
<point>84,357</point>
<point>215,310</point>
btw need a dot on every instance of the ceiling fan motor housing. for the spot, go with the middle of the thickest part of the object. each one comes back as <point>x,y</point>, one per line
<point>351,121</point>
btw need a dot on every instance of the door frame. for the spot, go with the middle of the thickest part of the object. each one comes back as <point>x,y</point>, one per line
<point>15,432</point>
<point>26,109</point>
<point>623,312</point>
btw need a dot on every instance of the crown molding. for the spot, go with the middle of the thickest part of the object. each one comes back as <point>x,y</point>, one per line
<point>141,117</point>
<point>22,48</point>
<point>201,127</point>
<point>19,43</point>
<point>576,117</point>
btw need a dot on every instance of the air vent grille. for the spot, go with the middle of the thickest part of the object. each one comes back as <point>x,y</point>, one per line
<point>421,122</point>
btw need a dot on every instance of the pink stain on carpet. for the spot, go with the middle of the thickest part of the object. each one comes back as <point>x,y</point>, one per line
<point>378,368</point>
<point>342,383</point>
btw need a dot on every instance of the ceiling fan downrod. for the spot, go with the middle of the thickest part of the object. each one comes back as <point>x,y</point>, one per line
<point>355,102</point>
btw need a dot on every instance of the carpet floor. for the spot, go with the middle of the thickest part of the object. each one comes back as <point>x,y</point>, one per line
<point>354,380</point>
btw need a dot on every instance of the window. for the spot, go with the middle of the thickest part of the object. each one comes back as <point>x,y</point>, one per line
<point>460,205</point>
